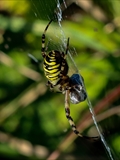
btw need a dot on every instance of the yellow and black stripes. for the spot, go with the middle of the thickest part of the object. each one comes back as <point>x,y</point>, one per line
<point>52,66</point>
<point>56,71</point>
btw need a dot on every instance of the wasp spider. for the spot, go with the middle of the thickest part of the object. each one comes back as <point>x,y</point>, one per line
<point>56,71</point>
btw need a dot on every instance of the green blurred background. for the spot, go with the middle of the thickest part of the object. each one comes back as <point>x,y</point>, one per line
<point>32,119</point>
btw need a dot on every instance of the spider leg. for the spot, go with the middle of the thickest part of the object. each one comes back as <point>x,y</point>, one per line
<point>67,112</point>
<point>72,124</point>
<point>50,85</point>
<point>43,39</point>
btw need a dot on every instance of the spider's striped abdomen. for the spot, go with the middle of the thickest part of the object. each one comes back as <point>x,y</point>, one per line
<point>54,67</point>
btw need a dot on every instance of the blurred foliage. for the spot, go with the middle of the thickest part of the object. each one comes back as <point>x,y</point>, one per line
<point>32,119</point>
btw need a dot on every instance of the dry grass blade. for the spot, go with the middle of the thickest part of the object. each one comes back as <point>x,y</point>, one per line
<point>30,95</point>
<point>24,147</point>
<point>27,72</point>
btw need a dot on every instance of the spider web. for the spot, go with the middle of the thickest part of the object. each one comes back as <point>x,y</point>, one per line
<point>88,100</point>
<point>73,67</point>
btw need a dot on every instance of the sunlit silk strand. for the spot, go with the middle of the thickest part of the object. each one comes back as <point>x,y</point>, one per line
<point>59,16</point>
